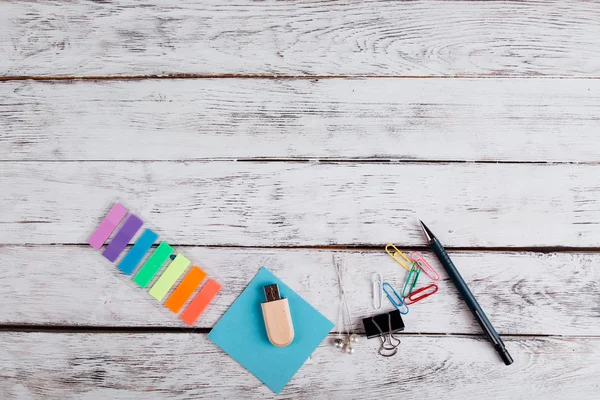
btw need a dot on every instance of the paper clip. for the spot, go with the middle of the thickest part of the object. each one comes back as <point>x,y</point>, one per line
<point>377,282</point>
<point>397,302</point>
<point>413,298</point>
<point>414,273</point>
<point>398,253</point>
<point>421,262</point>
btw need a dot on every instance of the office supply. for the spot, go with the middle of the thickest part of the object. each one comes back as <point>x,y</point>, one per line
<point>382,325</point>
<point>376,283</point>
<point>169,277</point>
<point>107,226</point>
<point>123,236</point>
<point>466,294</point>
<point>185,289</point>
<point>420,294</point>
<point>200,302</point>
<point>394,325</point>
<point>424,265</point>
<point>137,252</point>
<point>344,311</point>
<point>154,263</point>
<point>411,280</point>
<point>277,316</point>
<point>397,301</point>
<point>241,333</point>
<point>152,266</point>
<point>390,343</point>
<point>394,253</point>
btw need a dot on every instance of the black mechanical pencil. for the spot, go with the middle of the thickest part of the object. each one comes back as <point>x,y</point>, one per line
<point>467,296</point>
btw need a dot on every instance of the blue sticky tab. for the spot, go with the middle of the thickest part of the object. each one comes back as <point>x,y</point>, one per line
<point>241,333</point>
<point>137,252</point>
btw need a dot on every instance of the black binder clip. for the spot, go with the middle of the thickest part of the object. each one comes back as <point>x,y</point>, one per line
<point>384,326</point>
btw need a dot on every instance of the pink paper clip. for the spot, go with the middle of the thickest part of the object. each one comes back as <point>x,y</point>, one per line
<point>413,298</point>
<point>421,262</point>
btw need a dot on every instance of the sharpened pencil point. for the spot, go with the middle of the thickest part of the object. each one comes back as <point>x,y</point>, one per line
<point>430,236</point>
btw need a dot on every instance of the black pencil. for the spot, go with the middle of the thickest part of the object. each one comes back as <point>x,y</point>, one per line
<point>467,296</point>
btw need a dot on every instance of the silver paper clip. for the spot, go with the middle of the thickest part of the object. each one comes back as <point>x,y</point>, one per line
<point>377,283</point>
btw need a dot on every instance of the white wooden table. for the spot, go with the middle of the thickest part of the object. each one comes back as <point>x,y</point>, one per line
<point>274,134</point>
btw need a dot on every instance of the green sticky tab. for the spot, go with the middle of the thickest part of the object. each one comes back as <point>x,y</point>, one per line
<point>151,267</point>
<point>169,277</point>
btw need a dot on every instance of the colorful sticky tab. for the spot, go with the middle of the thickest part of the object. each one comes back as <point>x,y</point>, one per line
<point>137,252</point>
<point>200,302</point>
<point>151,267</point>
<point>169,277</point>
<point>185,289</point>
<point>153,264</point>
<point>127,231</point>
<point>107,226</point>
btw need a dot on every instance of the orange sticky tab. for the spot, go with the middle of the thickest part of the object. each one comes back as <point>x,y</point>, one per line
<point>205,296</point>
<point>185,289</point>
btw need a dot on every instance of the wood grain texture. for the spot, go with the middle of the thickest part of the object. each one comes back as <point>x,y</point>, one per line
<point>310,38</point>
<point>405,119</point>
<point>195,159</point>
<point>522,293</point>
<point>173,366</point>
<point>306,204</point>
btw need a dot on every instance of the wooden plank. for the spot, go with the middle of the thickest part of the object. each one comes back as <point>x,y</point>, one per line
<point>464,119</point>
<point>173,366</point>
<point>306,204</point>
<point>442,38</point>
<point>522,293</point>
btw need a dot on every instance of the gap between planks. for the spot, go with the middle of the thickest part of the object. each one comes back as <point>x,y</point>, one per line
<point>266,76</point>
<point>30,328</point>
<point>351,247</point>
<point>259,160</point>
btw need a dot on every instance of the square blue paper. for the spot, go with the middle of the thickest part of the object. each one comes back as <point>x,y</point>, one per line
<point>241,333</point>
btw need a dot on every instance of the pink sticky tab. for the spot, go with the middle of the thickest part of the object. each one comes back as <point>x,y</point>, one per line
<point>107,226</point>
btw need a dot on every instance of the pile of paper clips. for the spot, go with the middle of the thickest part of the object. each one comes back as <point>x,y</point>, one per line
<point>414,264</point>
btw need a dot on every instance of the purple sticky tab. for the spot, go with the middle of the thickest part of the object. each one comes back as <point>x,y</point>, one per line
<point>116,246</point>
<point>107,226</point>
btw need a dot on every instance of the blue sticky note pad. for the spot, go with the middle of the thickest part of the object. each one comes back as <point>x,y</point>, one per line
<point>241,333</point>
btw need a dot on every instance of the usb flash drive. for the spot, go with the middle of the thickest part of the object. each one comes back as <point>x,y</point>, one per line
<point>278,320</point>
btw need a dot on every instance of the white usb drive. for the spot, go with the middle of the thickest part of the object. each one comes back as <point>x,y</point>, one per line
<point>278,320</point>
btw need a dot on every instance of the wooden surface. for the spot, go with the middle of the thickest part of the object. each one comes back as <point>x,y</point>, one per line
<point>534,120</point>
<point>523,293</point>
<point>336,38</point>
<point>277,134</point>
<point>307,204</point>
<point>173,366</point>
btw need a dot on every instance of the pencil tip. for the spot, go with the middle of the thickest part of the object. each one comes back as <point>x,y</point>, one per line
<point>426,231</point>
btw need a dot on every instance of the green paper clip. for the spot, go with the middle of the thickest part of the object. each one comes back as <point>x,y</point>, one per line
<point>414,273</point>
